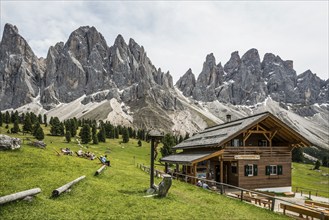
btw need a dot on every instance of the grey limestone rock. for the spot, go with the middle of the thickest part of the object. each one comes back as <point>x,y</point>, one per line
<point>9,143</point>
<point>186,83</point>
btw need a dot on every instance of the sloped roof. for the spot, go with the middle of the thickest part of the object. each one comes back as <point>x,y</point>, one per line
<point>220,134</point>
<point>190,157</point>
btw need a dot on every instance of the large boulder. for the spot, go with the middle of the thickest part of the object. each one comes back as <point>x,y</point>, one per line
<point>9,143</point>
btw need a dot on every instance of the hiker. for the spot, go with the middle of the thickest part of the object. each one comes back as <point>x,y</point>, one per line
<point>105,160</point>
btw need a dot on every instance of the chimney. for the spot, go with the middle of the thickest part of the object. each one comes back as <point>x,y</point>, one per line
<point>228,118</point>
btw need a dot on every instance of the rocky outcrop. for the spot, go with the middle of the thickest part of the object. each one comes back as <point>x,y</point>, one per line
<point>9,143</point>
<point>186,83</point>
<point>20,70</point>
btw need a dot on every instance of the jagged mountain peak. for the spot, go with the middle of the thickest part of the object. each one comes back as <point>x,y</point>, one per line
<point>186,83</point>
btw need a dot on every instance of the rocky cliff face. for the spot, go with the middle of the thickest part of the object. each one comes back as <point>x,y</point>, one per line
<point>248,80</point>
<point>20,70</point>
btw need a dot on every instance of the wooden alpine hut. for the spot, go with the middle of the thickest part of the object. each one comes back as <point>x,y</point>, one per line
<point>252,152</point>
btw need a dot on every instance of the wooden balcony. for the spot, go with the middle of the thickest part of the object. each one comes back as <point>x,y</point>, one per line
<point>255,150</point>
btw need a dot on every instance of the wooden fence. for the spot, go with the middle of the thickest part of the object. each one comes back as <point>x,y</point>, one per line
<point>246,194</point>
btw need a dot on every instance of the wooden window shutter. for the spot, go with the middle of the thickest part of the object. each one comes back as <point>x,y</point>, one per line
<point>279,169</point>
<point>267,170</point>
<point>246,170</point>
<point>255,170</point>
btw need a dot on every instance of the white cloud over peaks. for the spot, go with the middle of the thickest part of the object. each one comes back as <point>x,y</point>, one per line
<point>178,35</point>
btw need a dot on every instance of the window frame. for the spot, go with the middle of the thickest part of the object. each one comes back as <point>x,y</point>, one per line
<point>272,169</point>
<point>250,167</point>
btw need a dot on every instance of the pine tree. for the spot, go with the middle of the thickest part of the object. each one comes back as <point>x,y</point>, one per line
<point>125,135</point>
<point>101,135</point>
<point>85,134</point>
<point>139,143</point>
<point>7,117</point>
<point>95,139</point>
<point>45,119</point>
<point>168,142</point>
<point>39,134</point>
<point>93,130</point>
<point>35,128</point>
<point>68,136</point>
<point>297,155</point>
<point>40,119</point>
<point>15,129</point>
<point>27,126</point>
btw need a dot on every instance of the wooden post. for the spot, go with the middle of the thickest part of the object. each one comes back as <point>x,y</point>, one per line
<point>100,170</point>
<point>65,187</point>
<point>221,170</point>
<point>166,167</point>
<point>273,203</point>
<point>309,194</point>
<point>241,195</point>
<point>221,189</point>
<point>19,195</point>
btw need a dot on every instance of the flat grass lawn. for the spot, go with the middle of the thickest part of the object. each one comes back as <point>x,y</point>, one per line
<point>118,193</point>
<point>305,177</point>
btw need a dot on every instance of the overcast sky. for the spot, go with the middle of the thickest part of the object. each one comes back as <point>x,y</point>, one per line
<point>178,35</point>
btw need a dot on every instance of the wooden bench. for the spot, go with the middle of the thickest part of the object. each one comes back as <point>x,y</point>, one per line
<point>318,204</point>
<point>304,211</point>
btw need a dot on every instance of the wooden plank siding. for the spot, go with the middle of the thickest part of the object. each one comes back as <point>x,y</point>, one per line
<point>262,180</point>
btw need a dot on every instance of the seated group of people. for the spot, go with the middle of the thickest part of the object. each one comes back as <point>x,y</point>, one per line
<point>105,160</point>
<point>66,151</point>
<point>202,184</point>
<point>88,155</point>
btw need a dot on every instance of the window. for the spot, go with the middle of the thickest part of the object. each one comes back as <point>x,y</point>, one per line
<point>236,142</point>
<point>274,170</point>
<point>250,170</point>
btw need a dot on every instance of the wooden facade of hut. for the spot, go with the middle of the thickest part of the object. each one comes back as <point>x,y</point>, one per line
<point>252,153</point>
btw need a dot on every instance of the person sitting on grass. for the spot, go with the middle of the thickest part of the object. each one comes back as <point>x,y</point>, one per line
<point>80,153</point>
<point>105,160</point>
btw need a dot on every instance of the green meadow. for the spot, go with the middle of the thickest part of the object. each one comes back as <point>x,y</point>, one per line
<point>117,193</point>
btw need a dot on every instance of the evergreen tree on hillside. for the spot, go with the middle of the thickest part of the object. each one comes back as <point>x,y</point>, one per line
<point>297,155</point>
<point>27,126</point>
<point>85,134</point>
<point>168,142</point>
<point>93,130</point>
<point>101,135</point>
<point>95,139</point>
<point>7,117</point>
<point>125,135</point>
<point>68,136</point>
<point>35,128</point>
<point>45,119</point>
<point>39,134</point>
<point>40,119</point>
<point>139,143</point>
<point>57,128</point>
<point>14,116</point>
<point>15,129</point>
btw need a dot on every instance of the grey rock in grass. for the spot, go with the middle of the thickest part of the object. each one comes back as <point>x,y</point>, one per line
<point>9,143</point>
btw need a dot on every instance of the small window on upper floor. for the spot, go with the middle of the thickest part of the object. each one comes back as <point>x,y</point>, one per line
<point>262,143</point>
<point>236,142</point>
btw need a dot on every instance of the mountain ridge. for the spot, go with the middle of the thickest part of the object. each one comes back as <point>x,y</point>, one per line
<point>86,78</point>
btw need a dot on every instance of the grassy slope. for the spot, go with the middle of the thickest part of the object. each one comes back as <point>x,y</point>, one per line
<point>118,193</point>
<point>304,177</point>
